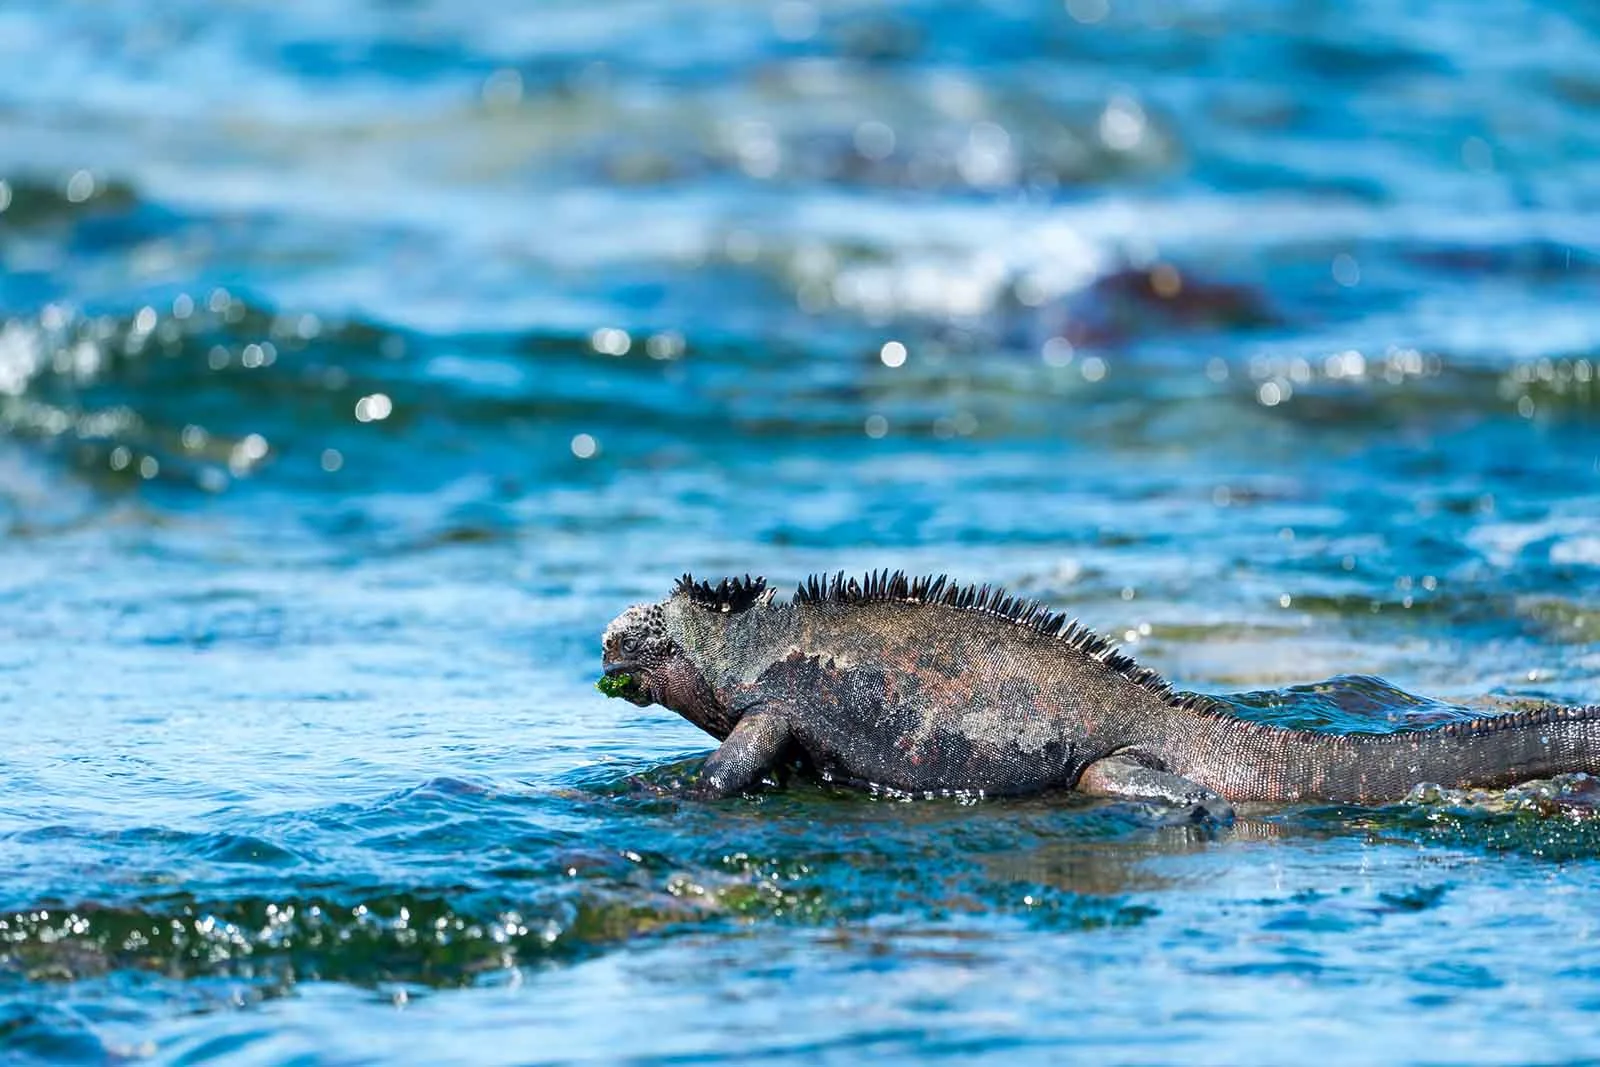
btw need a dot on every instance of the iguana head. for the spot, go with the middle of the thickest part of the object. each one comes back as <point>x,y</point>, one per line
<point>667,653</point>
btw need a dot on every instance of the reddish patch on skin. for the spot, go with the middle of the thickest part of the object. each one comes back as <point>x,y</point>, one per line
<point>942,697</point>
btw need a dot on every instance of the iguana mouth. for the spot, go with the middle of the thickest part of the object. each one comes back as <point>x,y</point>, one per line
<point>619,681</point>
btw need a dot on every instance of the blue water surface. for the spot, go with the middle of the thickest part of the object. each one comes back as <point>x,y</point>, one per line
<point>360,360</point>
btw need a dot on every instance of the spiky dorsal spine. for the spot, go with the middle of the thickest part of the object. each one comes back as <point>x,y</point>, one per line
<point>728,595</point>
<point>887,586</point>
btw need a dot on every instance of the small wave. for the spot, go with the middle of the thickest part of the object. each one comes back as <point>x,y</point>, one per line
<point>1572,795</point>
<point>402,937</point>
<point>200,393</point>
<point>28,204</point>
<point>1346,704</point>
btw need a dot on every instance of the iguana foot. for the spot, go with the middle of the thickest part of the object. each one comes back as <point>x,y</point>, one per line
<point>1125,777</point>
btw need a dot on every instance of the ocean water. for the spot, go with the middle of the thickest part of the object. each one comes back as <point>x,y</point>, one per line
<point>360,360</point>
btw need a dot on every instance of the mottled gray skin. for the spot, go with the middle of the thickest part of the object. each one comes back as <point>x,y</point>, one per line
<point>925,698</point>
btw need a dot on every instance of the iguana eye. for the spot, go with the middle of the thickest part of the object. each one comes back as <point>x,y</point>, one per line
<point>630,644</point>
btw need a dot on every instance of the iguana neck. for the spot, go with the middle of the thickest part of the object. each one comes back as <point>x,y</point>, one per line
<point>732,650</point>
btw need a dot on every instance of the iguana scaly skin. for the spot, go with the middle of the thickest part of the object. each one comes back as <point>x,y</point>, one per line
<point>923,686</point>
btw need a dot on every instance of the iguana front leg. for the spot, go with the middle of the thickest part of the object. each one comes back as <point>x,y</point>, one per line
<point>756,743</point>
<point>1124,776</point>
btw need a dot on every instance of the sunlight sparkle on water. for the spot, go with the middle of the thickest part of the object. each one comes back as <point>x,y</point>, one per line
<point>80,186</point>
<point>874,140</point>
<point>374,408</point>
<point>1088,12</point>
<point>610,341</point>
<point>1122,124</point>
<point>1346,271</point>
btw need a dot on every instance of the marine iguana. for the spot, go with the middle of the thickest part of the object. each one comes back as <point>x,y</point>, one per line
<point>924,686</point>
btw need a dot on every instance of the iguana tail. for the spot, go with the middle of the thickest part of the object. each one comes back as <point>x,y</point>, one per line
<point>1245,760</point>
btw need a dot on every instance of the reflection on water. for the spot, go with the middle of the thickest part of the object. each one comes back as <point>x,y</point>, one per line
<point>358,362</point>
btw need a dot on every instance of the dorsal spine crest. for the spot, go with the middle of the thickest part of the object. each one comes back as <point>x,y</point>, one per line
<point>728,595</point>
<point>885,586</point>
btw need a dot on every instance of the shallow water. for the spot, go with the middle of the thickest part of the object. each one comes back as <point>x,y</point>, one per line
<point>360,361</point>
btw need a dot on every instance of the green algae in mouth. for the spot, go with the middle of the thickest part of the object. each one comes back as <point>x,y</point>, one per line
<point>615,685</point>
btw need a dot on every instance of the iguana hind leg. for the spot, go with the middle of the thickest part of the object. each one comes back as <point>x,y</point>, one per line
<point>1124,776</point>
